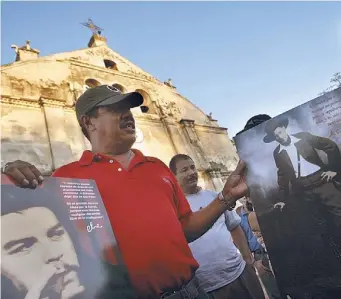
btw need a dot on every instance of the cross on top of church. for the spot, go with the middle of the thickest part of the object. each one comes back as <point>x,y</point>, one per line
<point>94,28</point>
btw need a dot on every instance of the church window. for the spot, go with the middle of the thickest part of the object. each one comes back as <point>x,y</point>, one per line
<point>147,106</point>
<point>119,87</point>
<point>109,64</point>
<point>91,83</point>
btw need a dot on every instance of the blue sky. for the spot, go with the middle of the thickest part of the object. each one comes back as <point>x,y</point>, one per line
<point>234,59</point>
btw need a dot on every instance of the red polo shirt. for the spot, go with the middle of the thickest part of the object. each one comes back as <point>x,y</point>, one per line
<point>147,210</point>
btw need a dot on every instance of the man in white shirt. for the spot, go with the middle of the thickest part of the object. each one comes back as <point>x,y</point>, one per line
<point>223,273</point>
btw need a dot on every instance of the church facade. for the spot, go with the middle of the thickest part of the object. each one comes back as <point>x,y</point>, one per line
<point>39,124</point>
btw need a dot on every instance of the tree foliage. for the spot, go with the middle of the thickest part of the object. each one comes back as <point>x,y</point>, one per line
<point>335,82</point>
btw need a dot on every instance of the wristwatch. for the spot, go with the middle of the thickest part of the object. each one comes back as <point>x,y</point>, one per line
<point>3,169</point>
<point>229,206</point>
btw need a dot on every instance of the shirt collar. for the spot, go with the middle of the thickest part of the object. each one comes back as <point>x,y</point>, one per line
<point>293,141</point>
<point>88,157</point>
<point>243,211</point>
<point>197,192</point>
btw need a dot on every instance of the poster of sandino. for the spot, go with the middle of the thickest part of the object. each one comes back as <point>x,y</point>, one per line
<point>57,243</point>
<point>294,178</point>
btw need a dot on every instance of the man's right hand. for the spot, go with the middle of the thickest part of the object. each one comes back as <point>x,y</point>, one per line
<point>24,174</point>
<point>235,186</point>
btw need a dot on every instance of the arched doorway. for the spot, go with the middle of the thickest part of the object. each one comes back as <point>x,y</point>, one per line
<point>119,87</point>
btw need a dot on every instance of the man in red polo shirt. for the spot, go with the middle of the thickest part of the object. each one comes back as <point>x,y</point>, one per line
<point>148,211</point>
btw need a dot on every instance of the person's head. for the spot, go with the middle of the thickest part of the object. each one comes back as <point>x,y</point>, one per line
<point>36,243</point>
<point>276,129</point>
<point>248,204</point>
<point>106,120</point>
<point>185,171</point>
<point>281,134</point>
<point>254,121</point>
<point>245,204</point>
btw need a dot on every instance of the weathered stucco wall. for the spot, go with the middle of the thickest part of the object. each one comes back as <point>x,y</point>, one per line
<point>39,124</point>
<point>155,140</point>
<point>218,148</point>
<point>24,136</point>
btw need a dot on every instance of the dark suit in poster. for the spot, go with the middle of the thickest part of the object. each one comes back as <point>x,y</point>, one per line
<point>322,201</point>
<point>294,175</point>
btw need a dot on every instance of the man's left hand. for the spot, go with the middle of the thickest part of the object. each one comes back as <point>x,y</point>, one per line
<point>261,269</point>
<point>328,175</point>
<point>280,205</point>
<point>235,186</point>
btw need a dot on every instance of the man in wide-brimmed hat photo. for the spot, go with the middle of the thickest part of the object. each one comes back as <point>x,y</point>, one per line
<point>302,171</point>
<point>301,232</point>
<point>309,190</point>
<point>300,164</point>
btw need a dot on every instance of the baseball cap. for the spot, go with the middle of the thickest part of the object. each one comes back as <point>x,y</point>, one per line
<point>105,95</point>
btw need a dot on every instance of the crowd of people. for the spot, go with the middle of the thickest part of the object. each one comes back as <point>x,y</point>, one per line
<point>178,240</point>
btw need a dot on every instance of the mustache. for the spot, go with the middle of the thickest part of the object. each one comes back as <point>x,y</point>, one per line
<point>192,177</point>
<point>67,269</point>
<point>70,268</point>
<point>126,121</point>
